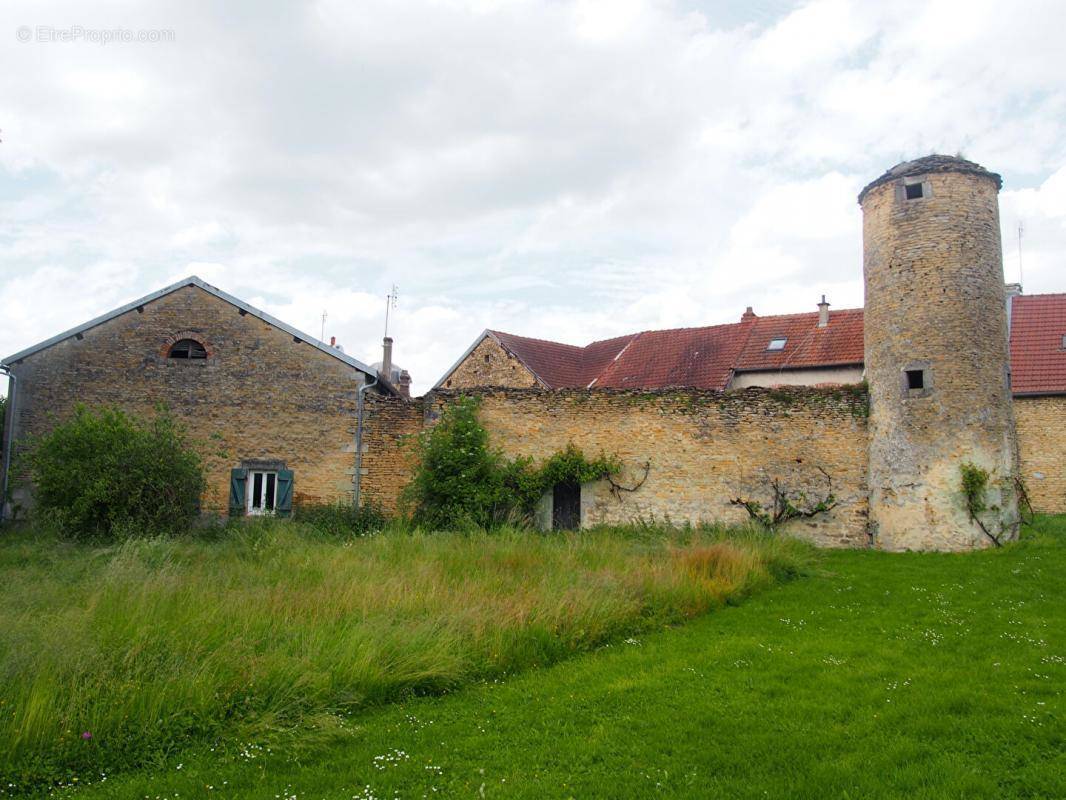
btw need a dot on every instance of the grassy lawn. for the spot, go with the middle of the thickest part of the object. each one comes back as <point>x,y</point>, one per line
<point>917,675</point>
<point>124,657</point>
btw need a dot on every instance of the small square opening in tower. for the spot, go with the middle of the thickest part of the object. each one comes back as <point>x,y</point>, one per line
<point>913,191</point>
<point>916,379</point>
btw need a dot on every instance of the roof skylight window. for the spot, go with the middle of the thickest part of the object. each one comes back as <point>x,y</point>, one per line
<point>777,343</point>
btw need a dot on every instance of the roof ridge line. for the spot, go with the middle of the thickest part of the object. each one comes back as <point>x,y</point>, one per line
<point>200,283</point>
<point>535,339</point>
<point>1043,294</point>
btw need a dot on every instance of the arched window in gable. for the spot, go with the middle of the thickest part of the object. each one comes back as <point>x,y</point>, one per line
<point>187,348</point>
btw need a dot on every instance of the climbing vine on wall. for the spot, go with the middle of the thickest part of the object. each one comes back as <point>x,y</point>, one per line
<point>462,482</point>
<point>787,504</point>
<point>974,485</point>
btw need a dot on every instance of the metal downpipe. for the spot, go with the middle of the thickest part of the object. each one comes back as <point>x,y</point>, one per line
<point>360,405</point>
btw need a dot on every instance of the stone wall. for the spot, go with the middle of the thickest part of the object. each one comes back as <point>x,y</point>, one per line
<point>259,395</point>
<point>489,364</point>
<point>390,428</point>
<point>1042,450</point>
<point>935,303</point>
<point>704,448</point>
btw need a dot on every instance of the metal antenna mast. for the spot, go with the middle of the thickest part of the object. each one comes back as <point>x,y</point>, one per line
<point>390,303</point>
<point>1021,277</point>
<point>322,337</point>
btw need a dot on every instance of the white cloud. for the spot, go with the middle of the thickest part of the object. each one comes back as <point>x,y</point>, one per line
<point>1041,211</point>
<point>566,170</point>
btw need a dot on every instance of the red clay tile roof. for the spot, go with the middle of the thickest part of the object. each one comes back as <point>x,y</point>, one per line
<point>706,358</point>
<point>700,357</point>
<point>1038,360</point>
<point>599,356</point>
<point>560,366</point>
<point>807,345</point>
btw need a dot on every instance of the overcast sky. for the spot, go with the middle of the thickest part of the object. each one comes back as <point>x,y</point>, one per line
<point>570,171</point>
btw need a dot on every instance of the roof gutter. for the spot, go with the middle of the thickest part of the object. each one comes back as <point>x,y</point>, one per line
<point>798,368</point>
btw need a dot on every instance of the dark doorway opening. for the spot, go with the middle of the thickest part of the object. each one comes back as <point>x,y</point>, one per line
<point>566,507</point>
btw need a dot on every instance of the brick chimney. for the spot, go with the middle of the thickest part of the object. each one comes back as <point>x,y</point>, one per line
<point>405,383</point>
<point>823,313</point>
<point>386,358</point>
<point>748,314</point>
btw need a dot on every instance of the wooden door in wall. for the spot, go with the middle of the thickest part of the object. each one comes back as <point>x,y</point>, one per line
<point>566,507</point>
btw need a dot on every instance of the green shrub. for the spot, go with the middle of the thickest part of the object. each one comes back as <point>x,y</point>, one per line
<point>974,487</point>
<point>106,475</point>
<point>461,483</point>
<point>340,520</point>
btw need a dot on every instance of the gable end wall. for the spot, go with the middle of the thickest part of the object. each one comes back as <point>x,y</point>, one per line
<point>489,364</point>
<point>259,396</point>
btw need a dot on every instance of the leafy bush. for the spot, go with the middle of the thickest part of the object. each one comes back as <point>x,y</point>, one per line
<point>459,481</point>
<point>339,520</point>
<point>571,466</point>
<point>106,475</point>
<point>462,483</point>
<point>974,486</point>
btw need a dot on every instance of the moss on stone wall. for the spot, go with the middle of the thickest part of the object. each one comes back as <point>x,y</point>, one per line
<point>704,448</point>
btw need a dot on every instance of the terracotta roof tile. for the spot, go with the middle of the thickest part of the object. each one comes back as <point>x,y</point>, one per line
<point>1038,360</point>
<point>706,358</point>
<point>699,357</point>
<point>599,356</point>
<point>559,366</point>
<point>806,345</point>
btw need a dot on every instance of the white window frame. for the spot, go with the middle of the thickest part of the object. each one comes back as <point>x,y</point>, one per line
<point>782,339</point>
<point>249,493</point>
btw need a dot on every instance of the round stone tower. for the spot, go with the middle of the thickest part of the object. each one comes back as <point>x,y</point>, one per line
<point>936,355</point>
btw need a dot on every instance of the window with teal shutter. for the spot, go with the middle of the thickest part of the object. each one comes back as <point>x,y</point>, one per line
<point>284,504</point>
<point>238,484</point>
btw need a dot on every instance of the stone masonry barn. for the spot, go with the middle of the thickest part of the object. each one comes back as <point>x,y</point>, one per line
<point>274,412</point>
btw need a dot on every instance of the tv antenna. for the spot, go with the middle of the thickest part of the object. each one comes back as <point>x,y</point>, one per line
<point>1021,277</point>
<point>322,336</point>
<point>390,304</point>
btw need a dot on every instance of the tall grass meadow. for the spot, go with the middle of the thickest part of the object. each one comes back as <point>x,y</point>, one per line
<point>116,656</point>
